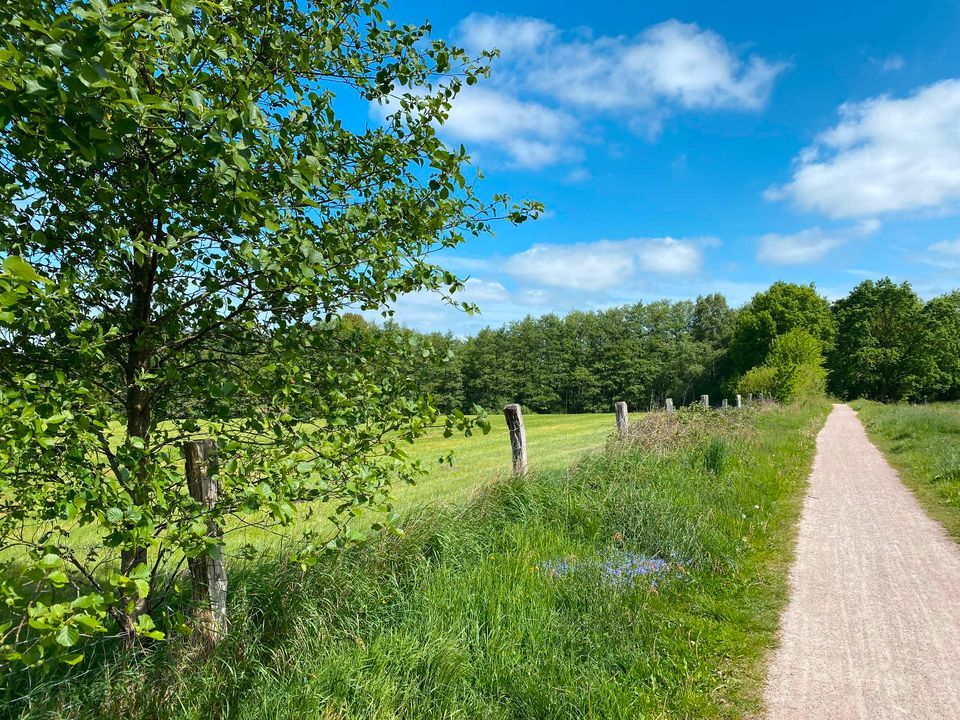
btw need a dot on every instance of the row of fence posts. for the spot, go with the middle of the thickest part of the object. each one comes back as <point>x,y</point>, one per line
<point>518,434</point>
<point>208,571</point>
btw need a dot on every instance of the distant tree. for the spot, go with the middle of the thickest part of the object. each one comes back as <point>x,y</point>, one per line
<point>943,318</point>
<point>776,311</point>
<point>713,326</point>
<point>882,350</point>
<point>179,172</point>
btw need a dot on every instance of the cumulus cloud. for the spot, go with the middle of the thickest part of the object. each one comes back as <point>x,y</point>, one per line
<point>549,82</point>
<point>810,245</point>
<point>672,63</point>
<point>885,155</point>
<point>604,264</point>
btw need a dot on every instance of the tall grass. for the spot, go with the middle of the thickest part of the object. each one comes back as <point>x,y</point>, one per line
<point>466,614</point>
<point>923,443</point>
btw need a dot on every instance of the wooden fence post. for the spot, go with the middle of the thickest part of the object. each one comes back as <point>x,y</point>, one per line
<point>739,401</point>
<point>750,398</point>
<point>622,419</point>
<point>207,570</point>
<point>669,405</point>
<point>724,404</point>
<point>705,400</point>
<point>518,438</point>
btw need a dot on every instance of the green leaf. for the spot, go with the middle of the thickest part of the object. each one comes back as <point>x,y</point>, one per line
<point>21,269</point>
<point>67,636</point>
<point>182,8</point>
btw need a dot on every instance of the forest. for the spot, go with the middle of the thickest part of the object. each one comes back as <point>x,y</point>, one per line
<point>880,342</point>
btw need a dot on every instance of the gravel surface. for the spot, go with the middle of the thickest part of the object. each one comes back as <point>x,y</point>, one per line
<point>872,630</point>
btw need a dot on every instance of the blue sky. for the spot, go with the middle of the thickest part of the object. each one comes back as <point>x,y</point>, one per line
<point>686,148</point>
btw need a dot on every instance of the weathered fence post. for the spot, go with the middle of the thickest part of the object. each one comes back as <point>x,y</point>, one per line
<point>669,405</point>
<point>739,401</point>
<point>622,419</point>
<point>518,438</point>
<point>750,398</point>
<point>207,570</point>
<point>705,400</point>
<point>724,404</point>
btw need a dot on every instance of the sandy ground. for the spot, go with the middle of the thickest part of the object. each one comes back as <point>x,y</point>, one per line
<point>872,629</point>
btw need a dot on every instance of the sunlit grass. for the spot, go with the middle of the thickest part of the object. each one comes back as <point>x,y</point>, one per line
<point>461,617</point>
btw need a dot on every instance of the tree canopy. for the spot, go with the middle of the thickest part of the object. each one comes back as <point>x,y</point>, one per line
<point>180,173</point>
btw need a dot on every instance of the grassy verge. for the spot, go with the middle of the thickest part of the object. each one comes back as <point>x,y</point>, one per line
<point>645,582</point>
<point>923,443</point>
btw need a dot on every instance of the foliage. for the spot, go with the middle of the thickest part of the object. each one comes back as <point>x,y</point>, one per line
<point>942,317</point>
<point>797,361</point>
<point>461,615</point>
<point>586,361</point>
<point>180,173</point>
<point>883,348</point>
<point>774,312</point>
<point>760,380</point>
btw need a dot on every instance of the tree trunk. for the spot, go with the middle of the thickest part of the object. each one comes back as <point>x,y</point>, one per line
<point>138,400</point>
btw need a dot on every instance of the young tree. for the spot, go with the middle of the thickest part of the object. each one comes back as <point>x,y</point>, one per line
<point>181,172</point>
<point>777,310</point>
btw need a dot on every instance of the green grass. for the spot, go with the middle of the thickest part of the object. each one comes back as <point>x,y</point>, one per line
<point>553,442</point>
<point>460,618</point>
<point>923,443</point>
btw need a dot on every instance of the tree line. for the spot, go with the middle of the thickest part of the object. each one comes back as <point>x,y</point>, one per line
<point>881,342</point>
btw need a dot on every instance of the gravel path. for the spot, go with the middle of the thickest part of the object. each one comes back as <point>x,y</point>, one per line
<point>872,630</point>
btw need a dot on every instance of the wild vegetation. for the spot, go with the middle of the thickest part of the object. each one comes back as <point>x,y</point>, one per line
<point>923,443</point>
<point>646,581</point>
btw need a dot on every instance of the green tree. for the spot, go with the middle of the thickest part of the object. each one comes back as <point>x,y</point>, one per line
<point>883,349</point>
<point>774,312</point>
<point>797,362</point>
<point>179,171</point>
<point>943,318</point>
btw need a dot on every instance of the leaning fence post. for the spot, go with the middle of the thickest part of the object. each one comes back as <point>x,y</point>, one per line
<point>739,401</point>
<point>669,405</point>
<point>705,400</point>
<point>207,570</point>
<point>622,419</point>
<point>518,438</point>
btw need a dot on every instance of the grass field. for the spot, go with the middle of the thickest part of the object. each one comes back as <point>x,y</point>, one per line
<point>923,443</point>
<point>553,442</point>
<point>645,583</point>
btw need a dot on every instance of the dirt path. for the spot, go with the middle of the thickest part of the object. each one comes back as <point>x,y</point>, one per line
<point>872,630</point>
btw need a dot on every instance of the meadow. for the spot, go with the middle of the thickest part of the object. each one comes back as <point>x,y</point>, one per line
<point>642,580</point>
<point>553,442</point>
<point>923,443</point>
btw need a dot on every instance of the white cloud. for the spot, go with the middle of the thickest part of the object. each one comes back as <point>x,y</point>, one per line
<point>666,65</point>
<point>549,82</point>
<point>604,264</point>
<point>809,246</point>
<point>886,155</point>
<point>947,247</point>
<point>513,34</point>
<point>530,134</point>
<point>477,290</point>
